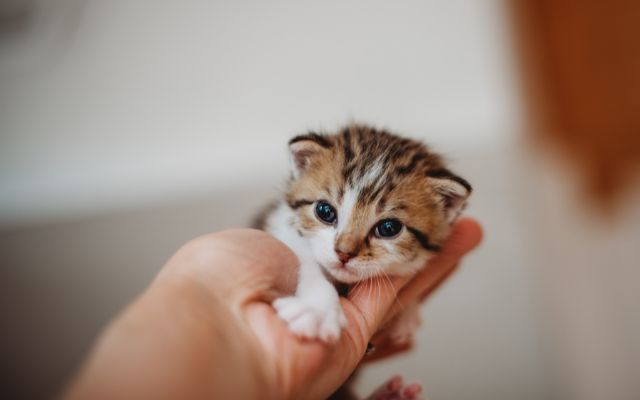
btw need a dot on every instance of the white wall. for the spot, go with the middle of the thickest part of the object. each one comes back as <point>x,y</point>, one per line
<point>109,104</point>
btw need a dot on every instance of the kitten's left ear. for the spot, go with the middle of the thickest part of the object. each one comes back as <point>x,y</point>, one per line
<point>304,148</point>
<point>452,190</point>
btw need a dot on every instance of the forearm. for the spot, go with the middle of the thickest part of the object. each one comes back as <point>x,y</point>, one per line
<point>175,341</point>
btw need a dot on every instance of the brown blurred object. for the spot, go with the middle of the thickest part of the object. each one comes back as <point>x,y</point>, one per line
<point>581,64</point>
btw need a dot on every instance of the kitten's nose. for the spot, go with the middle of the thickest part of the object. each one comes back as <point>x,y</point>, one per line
<point>346,247</point>
<point>343,257</point>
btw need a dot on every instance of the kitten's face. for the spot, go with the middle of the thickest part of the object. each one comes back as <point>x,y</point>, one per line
<point>371,203</point>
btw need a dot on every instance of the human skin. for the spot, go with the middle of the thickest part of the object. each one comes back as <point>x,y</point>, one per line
<point>204,328</point>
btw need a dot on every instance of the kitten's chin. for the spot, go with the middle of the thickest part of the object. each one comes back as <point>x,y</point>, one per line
<point>342,274</point>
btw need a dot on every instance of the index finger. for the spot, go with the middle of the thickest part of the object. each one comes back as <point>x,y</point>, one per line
<point>465,236</point>
<point>378,299</point>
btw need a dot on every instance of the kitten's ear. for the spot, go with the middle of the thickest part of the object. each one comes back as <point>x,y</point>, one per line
<point>304,148</point>
<point>452,189</point>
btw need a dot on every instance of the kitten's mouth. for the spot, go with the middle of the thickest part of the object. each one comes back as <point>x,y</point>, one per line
<point>342,273</point>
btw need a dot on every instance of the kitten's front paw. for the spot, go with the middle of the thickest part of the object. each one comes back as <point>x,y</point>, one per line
<point>311,320</point>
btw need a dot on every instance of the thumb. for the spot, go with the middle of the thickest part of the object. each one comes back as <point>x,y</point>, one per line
<point>368,303</point>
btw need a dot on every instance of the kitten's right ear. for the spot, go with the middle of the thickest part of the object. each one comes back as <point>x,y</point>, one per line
<point>304,148</point>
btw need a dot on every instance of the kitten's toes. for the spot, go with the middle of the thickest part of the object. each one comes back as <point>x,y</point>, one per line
<point>332,324</point>
<point>309,320</point>
<point>306,325</point>
<point>288,308</point>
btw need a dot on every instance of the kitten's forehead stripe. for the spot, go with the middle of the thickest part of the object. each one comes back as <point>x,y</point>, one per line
<point>379,149</point>
<point>369,194</point>
<point>406,169</point>
<point>372,172</point>
<point>348,152</point>
<point>346,209</point>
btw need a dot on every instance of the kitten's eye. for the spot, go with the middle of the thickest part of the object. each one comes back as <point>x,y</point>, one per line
<point>325,212</point>
<point>388,228</point>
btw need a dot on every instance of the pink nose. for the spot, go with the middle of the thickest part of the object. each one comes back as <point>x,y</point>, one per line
<point>343,257</point>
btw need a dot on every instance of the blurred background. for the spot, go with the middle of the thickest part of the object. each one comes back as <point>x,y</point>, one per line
<point>129,127</point>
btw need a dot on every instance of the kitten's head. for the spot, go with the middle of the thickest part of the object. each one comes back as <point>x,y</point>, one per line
<point>369,202</point>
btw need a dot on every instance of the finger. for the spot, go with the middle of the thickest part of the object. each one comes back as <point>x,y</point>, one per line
<point>412,391</point>
<point>387,390</point>
<point>437,282</point>
<point>369,302</point>
<point>386,348</point>
<point>292,357</point>
<point>465,236</point>
<point>375,298</point>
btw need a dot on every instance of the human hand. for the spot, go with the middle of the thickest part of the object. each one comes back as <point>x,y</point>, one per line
<point>207,327</point>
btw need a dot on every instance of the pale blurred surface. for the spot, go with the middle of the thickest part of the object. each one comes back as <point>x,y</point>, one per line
<point>129,127</point>
<point>106,104</point>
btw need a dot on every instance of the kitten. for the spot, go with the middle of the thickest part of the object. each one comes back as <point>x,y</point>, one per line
<point>359,203</point>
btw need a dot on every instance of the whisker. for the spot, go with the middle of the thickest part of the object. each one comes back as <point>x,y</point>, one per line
<point>379,281</point>
<point>388,281</point>
<point>398,302</point>
<point>369,291</point>
<point>379,285</point>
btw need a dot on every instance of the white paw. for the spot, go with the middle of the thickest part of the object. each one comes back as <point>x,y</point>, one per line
<point>312,320</point>
<point>404,327</point>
